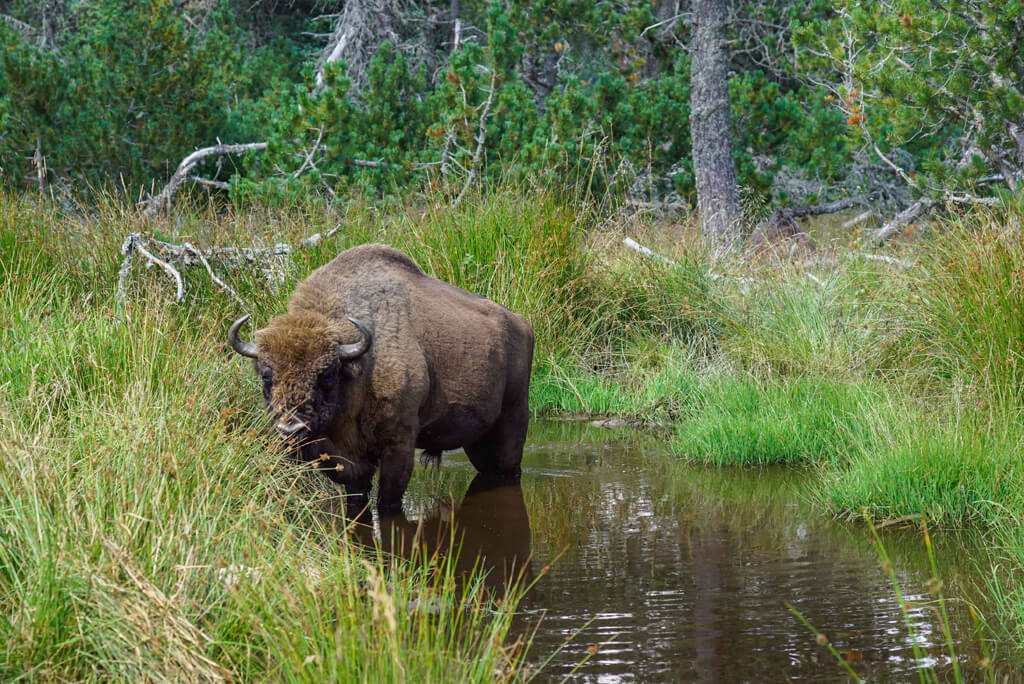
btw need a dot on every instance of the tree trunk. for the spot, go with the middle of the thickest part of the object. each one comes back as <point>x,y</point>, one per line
<point>711,127</point>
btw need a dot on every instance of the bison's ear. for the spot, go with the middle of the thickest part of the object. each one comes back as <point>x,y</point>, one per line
<point>347,352</point>
<point>239,345</point>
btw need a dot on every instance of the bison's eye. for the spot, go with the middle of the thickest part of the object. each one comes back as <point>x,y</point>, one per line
<point>325,383</point>
<point>268,381</point>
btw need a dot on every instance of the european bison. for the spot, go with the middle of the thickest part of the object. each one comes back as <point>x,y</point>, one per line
<point>374,359</point>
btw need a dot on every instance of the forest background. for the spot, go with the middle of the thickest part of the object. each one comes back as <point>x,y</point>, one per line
<point>883,102</point>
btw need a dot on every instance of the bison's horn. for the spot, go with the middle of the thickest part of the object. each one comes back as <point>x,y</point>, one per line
<point>356,349</point>
<point>241,346</point>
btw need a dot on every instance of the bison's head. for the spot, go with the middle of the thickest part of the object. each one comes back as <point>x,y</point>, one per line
<point>310,366</point>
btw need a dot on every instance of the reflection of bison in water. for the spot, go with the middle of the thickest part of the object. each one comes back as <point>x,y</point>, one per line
<point>488,532</point>
<point>374,359</point>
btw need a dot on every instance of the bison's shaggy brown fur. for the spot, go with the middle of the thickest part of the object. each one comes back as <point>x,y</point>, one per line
<point>445,369</point>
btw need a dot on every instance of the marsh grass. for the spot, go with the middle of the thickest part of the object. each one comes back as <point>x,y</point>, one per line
<point>739,420</point>
<point>134,467</point>
<point>150,529</point>
<point>966,470</point>
<point>967,308</point>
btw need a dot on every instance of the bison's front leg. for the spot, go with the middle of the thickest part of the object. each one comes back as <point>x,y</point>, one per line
<point>396,461</point>
<point>357,477</point>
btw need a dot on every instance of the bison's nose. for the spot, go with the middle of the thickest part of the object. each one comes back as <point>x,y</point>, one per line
<point>291,429</point>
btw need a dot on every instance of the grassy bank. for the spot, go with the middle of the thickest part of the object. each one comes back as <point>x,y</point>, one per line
<point>138,486</point>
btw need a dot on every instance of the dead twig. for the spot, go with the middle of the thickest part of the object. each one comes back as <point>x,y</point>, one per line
<point>134,243</point>
<point>308,161</point>
<point>892,261</point>
<point>219,185</point>
<point>202,259</point>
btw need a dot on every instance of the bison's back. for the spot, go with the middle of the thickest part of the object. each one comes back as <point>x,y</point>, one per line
<point>377,283</point>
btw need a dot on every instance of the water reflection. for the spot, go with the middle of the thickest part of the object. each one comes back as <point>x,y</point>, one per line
<point>489,531</point>
<point>670,573</point>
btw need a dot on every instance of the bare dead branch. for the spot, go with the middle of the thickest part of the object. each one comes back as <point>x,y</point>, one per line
<point>359,30</point>
<point>859,218</point>
<point>177,258</point>
<point>219,185</point>
<point>662,23</point>
<point>173,272</point>
<point>480,139</point>
<point>39,161</point>
<point>162,200</point>
<point>381,164</point>
<point>637,247</point>
<point>965,198</point>
<point>819,209</point>
<point>892,261</point>
<point>782,228</point>
<point>202,259</point>
<point>900,220</point>
<point>308,161</point>
<point>27,31</point>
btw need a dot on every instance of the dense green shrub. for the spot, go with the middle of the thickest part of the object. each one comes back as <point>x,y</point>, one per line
<point>122,91</point>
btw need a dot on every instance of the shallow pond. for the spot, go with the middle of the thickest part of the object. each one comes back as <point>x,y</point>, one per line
<point>646,569</point>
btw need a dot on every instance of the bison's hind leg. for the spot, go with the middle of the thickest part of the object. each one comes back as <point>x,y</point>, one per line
<point>500,451</point>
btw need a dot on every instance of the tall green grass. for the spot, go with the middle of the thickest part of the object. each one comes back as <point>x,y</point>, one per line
<point>150,529</point>
<point>967,308</point>
<point>951,473</point>
<point>133,467</point>
<point>739,420</point>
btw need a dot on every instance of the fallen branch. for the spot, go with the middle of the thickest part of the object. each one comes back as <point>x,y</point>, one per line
<point>637,247</point>
<point>814,279</point>
<point>781,227</point>
<point>788,214</point>
<point>219,185</point>
<point>308,161</point>
<point>859,218</point>
<point>892,261</point>
<point>134,243</point>
<point>177,258</point>
<point>659,207</point>
<point>162,200</point>
<point>900,220</point>
<point>27,31</point>
<point>381,164</point>
<point>202,259</point>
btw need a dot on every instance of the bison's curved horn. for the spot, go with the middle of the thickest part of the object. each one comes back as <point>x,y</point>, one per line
<point>356,349</point>
<point>241,346</point>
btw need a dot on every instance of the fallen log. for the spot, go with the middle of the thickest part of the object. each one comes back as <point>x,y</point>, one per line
<point>174,259</point>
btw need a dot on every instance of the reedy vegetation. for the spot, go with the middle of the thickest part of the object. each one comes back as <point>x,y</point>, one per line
<point>150,526</point>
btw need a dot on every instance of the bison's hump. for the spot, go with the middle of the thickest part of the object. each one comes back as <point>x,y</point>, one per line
<point>378,255</point>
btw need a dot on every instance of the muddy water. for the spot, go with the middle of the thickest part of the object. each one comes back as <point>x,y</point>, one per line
<point>647,570</point>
